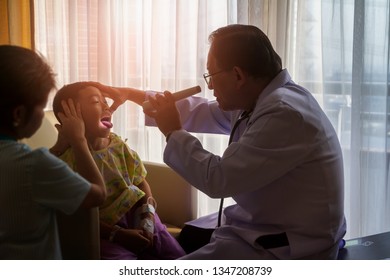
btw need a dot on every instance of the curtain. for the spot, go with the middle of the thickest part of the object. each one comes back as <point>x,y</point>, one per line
<point>15,23</point>
<point>159,44</point>
<point>339,50</point>
<point>336,49</point>
<point>360,52</point>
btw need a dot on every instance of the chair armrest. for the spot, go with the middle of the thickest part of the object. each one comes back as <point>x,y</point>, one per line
<point>46,135</point>
<point>80,234</point>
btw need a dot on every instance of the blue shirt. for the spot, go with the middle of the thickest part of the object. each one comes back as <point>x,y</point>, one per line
<point>34,184</point>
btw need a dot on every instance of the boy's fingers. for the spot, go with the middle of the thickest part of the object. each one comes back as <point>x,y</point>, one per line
<point>65,107</point>
<point>72,107</point>
<point>78,109</point>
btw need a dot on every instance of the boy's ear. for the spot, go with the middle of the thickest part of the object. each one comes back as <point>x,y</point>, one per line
<point>19,115</point>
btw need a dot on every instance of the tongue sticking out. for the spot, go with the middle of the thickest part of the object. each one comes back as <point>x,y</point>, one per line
<point>107,123</point>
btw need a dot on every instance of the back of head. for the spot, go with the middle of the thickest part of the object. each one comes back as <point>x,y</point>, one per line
<point>247,47</point>
<point>25,79</point>
<point>68,91</point>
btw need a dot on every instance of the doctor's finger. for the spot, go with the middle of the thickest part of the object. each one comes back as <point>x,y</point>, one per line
<point>115,106</point>
<point>151,113</point>
<point>169,97</point>
<point>161,99</point>
<point>155,102</point>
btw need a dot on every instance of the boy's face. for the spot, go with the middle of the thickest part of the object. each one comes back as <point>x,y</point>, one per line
<point>95,111</point>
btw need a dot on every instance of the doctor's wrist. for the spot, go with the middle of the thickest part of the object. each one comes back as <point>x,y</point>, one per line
<point>168,135</point>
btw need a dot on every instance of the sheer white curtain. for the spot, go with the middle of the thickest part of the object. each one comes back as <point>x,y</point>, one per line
<point>337,49</point>
<point>146,44</point>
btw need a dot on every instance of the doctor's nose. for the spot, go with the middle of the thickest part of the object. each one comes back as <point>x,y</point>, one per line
<point>210,84</point>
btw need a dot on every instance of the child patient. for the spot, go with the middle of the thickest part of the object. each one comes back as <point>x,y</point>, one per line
<point>129,226</point>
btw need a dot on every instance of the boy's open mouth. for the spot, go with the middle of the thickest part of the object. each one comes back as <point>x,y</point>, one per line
<point>106,121</point>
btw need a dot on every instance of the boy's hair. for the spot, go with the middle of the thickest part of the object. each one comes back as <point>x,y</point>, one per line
<point>25,79</point>
<point>66,92</point>
<point>247,47</point>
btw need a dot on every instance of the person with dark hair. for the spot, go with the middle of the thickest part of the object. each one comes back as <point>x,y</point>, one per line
<point>129,224</point>
<point>34,184</point>
<point>283,166</point>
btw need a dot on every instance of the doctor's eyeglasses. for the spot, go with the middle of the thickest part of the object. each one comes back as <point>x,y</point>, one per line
<point>207,76</point>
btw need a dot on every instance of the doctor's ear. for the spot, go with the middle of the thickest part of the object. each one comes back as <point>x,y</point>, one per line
<point>240,76</point>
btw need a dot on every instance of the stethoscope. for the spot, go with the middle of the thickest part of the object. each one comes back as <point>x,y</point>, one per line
<point>244,115</point>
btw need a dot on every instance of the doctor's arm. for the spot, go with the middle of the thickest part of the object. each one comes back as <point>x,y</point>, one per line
<point>121,94</point>
<point>197,114</point>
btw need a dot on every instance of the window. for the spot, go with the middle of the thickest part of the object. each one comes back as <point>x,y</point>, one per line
<point>337,49</point>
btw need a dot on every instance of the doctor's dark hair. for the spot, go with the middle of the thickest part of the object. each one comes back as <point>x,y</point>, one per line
<point>25,79</point>
<point>66,92</point>
<point>247,47</point>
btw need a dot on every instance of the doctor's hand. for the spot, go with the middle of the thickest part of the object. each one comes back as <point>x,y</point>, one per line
<point>164,112</point>
<point>120,94</point>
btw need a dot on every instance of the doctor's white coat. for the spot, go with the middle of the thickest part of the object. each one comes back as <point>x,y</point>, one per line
<point>284,170</point>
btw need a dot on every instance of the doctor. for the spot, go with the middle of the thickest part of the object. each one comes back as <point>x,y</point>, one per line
<point>283,166</point>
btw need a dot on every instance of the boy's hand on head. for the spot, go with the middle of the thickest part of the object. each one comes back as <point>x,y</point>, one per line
<point>62,144</point>
<point>72,127</point>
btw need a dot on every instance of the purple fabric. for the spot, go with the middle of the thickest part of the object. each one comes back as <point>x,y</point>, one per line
<point>165,247</point>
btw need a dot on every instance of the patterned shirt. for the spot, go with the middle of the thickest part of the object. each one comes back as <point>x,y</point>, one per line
<point>122,171</point>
